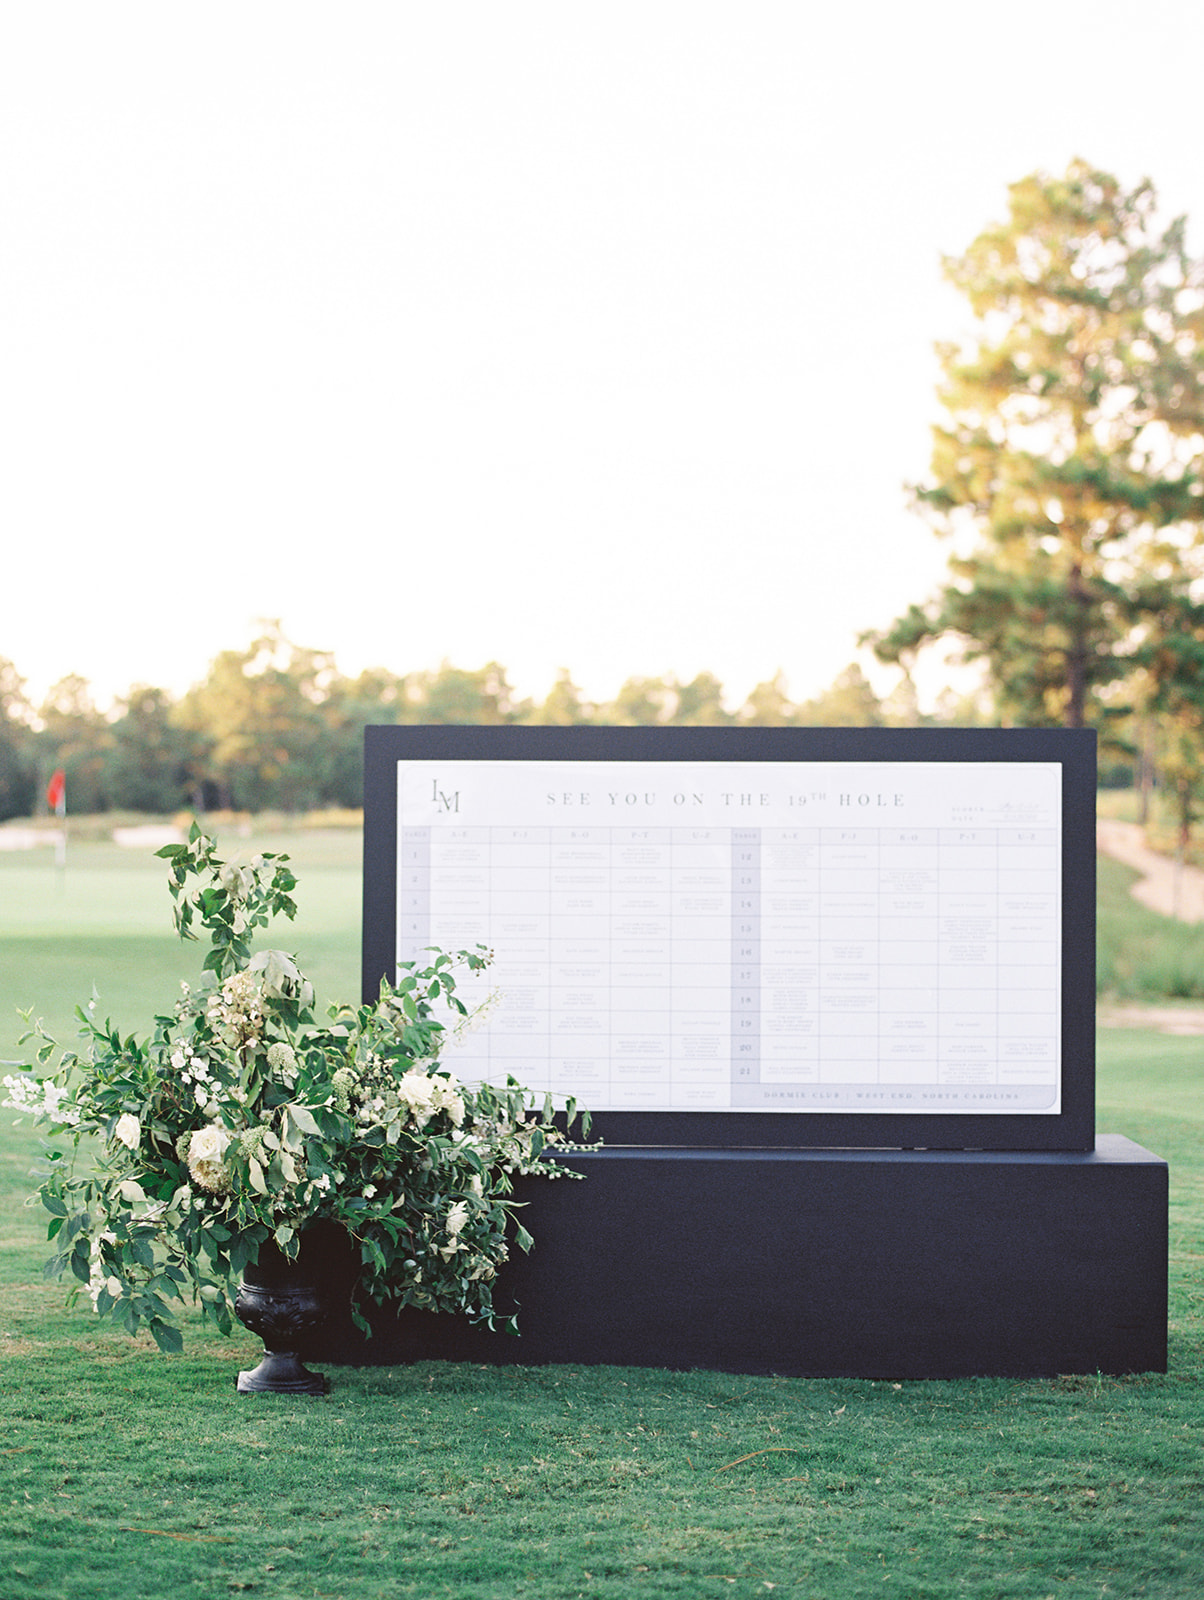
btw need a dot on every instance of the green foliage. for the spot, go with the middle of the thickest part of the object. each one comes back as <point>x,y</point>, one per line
<point>257,719</point>
<point>1167,694</point>
<point>651,702</point>
<point>453,695</point>
<point>700,702</point>
<point>565,705</point>
<point>150,760</point>
<point>1073,455</point>
<point>769,705</point>
<point>242,1119</point>
<point>849,703</point>
<point>17,757</point>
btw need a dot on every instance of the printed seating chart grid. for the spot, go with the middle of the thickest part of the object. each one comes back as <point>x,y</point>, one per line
<point>779,937</point>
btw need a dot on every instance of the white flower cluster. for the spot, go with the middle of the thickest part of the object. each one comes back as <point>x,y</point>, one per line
<point>426,1096</point>
<point>475,1019</point>
<point>193,1068</point>
<point>235,1012</point>
<point>98,1279</point>
<point>342,1084</point>
<point>282,1061</point>
<point>456,1218</point>
<point>422,1095</point>
<point>38,1097</point>
<point>194,1071</point>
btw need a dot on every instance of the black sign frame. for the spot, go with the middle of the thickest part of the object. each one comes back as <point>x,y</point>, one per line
<point>1074,750</point>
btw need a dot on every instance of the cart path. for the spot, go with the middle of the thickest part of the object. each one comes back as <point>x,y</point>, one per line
<point>1157,890</point>
<point>1171,890</point>
<point>1182,1020</point>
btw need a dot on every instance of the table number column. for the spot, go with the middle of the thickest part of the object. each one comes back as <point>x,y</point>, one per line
<point>413,894</point>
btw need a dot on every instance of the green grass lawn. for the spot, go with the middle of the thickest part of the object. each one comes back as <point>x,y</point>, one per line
<point>124,1471</point>
<point>105,922</point>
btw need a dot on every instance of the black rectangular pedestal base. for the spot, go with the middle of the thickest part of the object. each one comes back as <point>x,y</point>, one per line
<point>828,1263</point>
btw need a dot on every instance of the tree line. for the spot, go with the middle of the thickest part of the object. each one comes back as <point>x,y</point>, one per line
<point>277,726</point>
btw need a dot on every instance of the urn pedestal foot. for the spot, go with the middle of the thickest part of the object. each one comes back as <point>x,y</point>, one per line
<point>281,1372</point>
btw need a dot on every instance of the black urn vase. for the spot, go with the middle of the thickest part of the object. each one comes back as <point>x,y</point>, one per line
<point>286,1302</point>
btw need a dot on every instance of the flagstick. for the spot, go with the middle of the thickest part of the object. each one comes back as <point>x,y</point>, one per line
<point>56,794</point>
<point>60,843</point>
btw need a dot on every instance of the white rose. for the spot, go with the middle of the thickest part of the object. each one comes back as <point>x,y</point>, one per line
<point>208,1144</point>
<point>128,1131</point>
<point>418,1092</point>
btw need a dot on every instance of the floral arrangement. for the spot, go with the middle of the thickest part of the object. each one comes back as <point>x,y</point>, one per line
<point>244,1119</point>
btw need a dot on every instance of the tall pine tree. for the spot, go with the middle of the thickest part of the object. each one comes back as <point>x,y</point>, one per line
<point>1073,448</point>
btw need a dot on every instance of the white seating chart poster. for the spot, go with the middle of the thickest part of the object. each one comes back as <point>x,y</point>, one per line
<point>748,936</point>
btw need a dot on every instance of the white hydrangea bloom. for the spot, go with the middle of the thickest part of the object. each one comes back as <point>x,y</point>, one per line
<point>282,1057</point>
<point>236,1010</point>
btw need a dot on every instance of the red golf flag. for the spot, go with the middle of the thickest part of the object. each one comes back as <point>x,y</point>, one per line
<point>56,791</point>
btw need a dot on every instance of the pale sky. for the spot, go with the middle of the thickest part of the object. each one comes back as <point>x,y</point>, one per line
<point>583,335</point>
